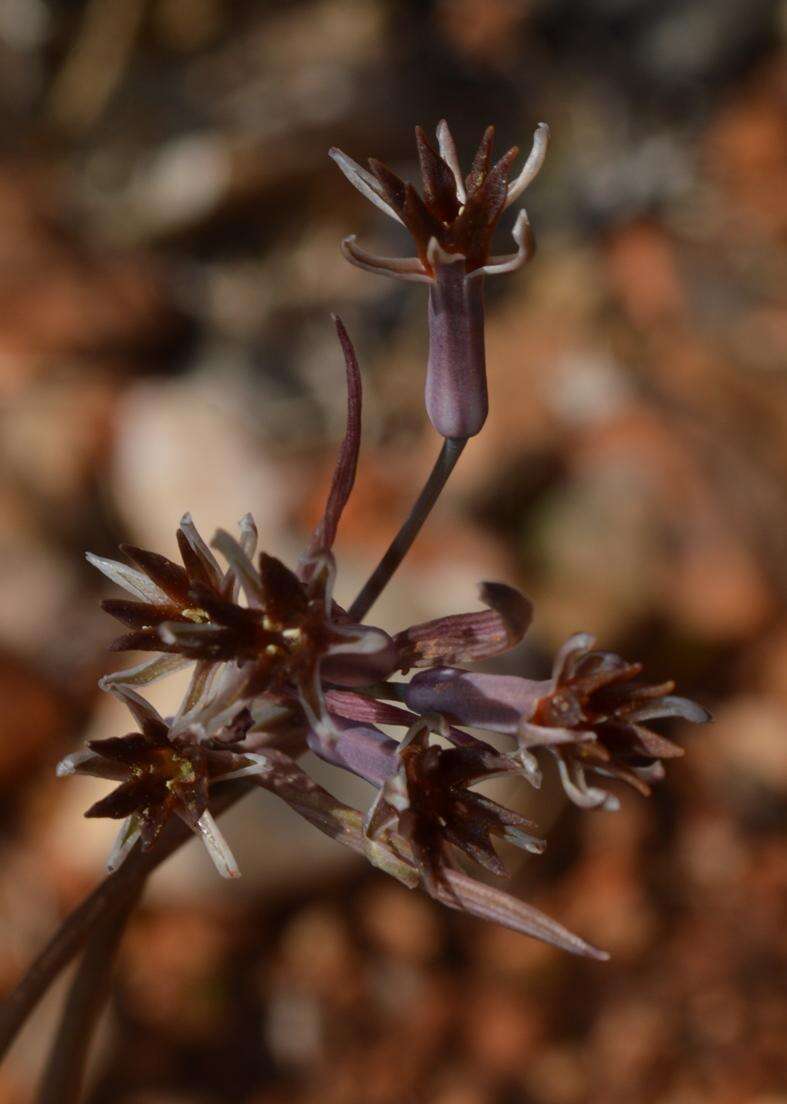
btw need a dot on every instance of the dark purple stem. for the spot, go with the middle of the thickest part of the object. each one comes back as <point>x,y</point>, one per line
<point>108,899</point>
<point>402,542</point>
<point>65,1069</point>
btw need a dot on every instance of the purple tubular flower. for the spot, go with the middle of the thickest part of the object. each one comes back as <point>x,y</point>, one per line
<point>456,396</point>
<point>452,227</point>
<point>497,703</point>
<point>590,715</point>
<point>360,748</point>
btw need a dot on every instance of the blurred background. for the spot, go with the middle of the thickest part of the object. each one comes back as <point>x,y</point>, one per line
<point>169,232</point>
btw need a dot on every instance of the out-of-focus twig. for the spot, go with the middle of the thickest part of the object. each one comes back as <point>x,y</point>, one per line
<point>64,1074</point>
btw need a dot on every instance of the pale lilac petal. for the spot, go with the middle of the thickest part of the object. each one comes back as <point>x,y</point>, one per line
<point>534,736</point>
<point>532,165</point>
<point>258,765</point>
<point>88,762</point>
<point>399,268</point>
<point>653,772</point>
<point>142,710</point>
<point>248,534</point>
<point>671,706</point>
<point>70,763</point>
<point>124,842</point>
<point>447,147</point>
<point>576,788</point>
<point>239,562</point>
<point>217,847</point>
<point>144,673</point>
<point>129,578</point>
<point>367,184</point>
<point>575,645</point>
<point>200,548</point>
<point>203,678</point>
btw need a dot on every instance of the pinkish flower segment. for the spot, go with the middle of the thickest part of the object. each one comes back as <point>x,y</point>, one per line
<point>452,226</point>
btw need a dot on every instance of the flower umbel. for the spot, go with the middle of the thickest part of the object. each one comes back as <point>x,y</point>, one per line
<point>452,226</point>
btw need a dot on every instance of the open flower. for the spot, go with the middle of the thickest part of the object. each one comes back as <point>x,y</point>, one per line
<point>163,770</point>
<point>590,715</point>
<point>428,801</point>
<point>290,626</point>
<point>452,226</point>
<point>163,592</point>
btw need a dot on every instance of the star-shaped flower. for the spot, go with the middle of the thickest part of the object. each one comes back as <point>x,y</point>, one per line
<point>431,806</point>
<point>452,226</point>
<point>164,770</point>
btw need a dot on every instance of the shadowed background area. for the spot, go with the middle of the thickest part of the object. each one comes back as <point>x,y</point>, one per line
<point>169,233</point>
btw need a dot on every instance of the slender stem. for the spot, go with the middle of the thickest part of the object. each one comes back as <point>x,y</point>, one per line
<point>402,542</point>
<point>108,897</point>
<point>65,1069</point>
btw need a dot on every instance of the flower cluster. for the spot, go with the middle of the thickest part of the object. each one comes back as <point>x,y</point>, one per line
<point>279,667</point>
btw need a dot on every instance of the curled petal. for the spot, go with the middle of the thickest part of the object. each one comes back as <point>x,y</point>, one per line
<point>364,181</point>
<point>672,706</point>
<point>535,736</point>
<point>468,637</point>
<point>576,645</point>
<point>532,165</point>
<point>488,903</point>
<point>400,268</point>
<point>129,578</point>
<point>522,234</point>
<point>577,790</point>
